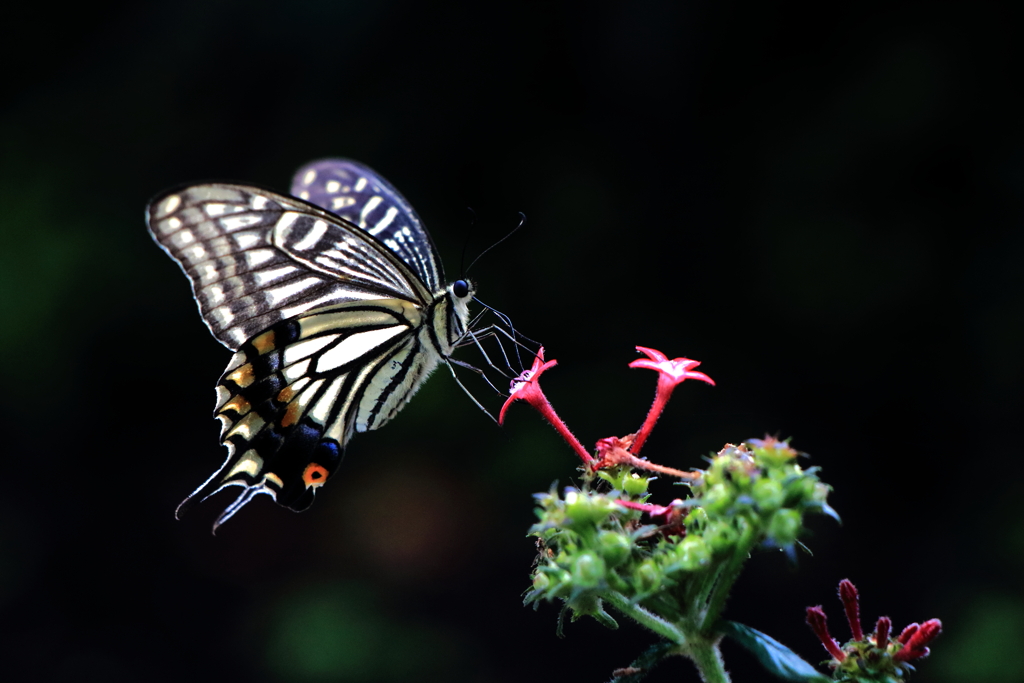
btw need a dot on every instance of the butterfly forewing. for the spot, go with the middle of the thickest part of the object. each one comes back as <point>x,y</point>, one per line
<point>358,194</point>
<point>255,258</point>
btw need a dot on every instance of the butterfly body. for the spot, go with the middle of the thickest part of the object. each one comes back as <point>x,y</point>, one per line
<point>335,319</point>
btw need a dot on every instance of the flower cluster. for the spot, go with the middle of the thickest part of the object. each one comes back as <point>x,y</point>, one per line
<point>878,657</point>
<point>606,547</point>
<point>604,542</point>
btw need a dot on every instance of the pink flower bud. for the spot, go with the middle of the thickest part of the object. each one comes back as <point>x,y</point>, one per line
<point>882,629</point>
<point>816,619</point>
<point>848,594</point>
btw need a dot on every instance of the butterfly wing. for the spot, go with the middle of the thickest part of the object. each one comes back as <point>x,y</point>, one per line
<point>292,396</point>
<point>357,193</point>
<point>255,258</point>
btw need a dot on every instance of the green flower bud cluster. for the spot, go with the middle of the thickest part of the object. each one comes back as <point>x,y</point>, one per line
<point>585,537</point>
<point>603,541</point>
<point>756,492</point>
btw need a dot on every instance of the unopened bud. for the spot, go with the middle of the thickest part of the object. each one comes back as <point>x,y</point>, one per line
<point>784,526</point>
<point>648,576</point>
<point>615,547</point>
<point>721,536</point>
<point>718,498</point>
<point>588,570</point>
<point>692,553</point>
<point>767,494</point>
<point>583,508</point>
<point>634,484</point>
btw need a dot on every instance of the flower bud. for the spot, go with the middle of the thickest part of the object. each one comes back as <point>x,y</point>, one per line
<point>691,554</point>
<point>648,577</point>
<point>588,570</point>
<point>784,526</point>
<point>614,547</point>
<point>721,536</point>
<point>801,490</point>
<point>767,494</point>
<point>718,498</point>
<point>583,508</point>
<point>541,581</point>
<point>634,484</point>
<point>557,579</point>
<point>740,477</point>
<point>715,474</point>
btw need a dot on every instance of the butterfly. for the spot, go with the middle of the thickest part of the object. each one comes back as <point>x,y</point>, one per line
<point>335,306</point>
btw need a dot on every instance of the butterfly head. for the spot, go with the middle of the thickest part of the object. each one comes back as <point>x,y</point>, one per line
<point>459,294</point>
<point>463,289</point>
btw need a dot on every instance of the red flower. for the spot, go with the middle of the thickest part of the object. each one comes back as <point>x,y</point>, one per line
<point>670,373</point>
<point>668,517</point>
<point>913,639</point>
<point>526,387</point>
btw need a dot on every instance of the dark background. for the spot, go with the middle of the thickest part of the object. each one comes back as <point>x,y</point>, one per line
<point>824,207</point>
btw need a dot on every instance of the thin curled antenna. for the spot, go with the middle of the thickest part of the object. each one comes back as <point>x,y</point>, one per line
<point>522,221</point>
<point>465,245</point>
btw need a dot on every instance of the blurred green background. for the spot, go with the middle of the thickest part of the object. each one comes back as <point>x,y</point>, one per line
<point>823,206</point>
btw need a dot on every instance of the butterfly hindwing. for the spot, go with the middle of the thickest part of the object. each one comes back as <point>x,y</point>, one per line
<point>291,397</point>
<point>255,258</point>
<point>357,193</point>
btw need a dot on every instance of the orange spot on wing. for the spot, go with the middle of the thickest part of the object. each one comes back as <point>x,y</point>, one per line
<point>264,342</point>
<point>237,404</point>
<point>291,414</point>
<point>243,376</point>
<point>314,476</point>
<point>286,394</point>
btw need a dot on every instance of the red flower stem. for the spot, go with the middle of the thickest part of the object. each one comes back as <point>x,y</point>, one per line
<point>641,464</point>
<point>548,413</point>
<point>649,508</point>
<point>661,396</point>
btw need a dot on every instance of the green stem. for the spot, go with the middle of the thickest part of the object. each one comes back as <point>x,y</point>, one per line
<point>725,579</point>
<point>702,651</point>
<point>708,659</point>
<point>663,628</point>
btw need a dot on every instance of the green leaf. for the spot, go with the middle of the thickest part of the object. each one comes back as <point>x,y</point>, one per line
<point>643,664</point>
<point>772,654</point>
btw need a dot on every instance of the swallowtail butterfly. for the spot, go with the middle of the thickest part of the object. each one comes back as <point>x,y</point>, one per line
<point>334,304</point>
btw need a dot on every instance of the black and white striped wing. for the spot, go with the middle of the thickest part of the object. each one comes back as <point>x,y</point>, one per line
<point>357,193</point>
<point>292,396</point>
<point>255,257</point>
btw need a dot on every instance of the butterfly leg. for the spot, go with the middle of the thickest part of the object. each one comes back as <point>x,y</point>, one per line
<point>497,332</point>
<point>450,362</point>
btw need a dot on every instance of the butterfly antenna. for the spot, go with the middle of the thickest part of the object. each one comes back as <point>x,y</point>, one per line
<point>465,245</point>
<point>522,221</point>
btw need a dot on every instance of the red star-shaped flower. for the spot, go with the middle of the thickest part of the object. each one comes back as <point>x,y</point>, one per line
<point>670,374</point>
<point>526,387</point>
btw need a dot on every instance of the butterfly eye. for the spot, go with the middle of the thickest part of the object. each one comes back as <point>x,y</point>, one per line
<point>314,476</point>
<point>460,288</point>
